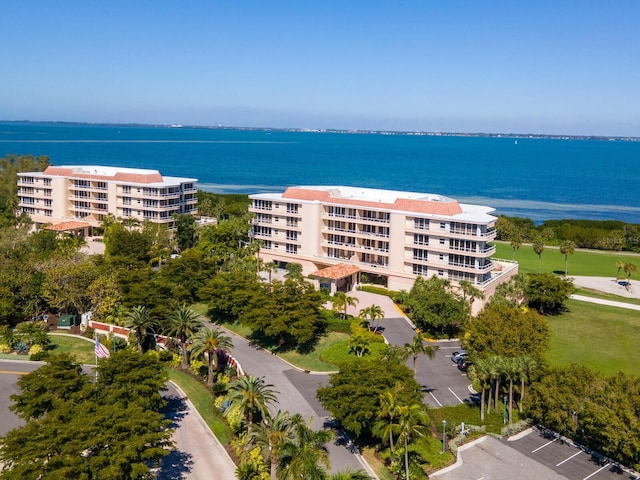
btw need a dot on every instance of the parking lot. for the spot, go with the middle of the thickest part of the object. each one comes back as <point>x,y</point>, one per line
<point>566,459</point>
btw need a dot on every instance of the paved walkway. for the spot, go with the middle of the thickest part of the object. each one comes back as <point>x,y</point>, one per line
<point>609,303</point>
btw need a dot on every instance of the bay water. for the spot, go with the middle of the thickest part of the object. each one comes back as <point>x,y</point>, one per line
<point>539,178</point>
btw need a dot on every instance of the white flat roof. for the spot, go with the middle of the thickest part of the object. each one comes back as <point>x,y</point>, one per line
<point>377,194</point>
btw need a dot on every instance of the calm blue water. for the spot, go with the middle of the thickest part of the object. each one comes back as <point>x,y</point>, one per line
<point>536,178</point>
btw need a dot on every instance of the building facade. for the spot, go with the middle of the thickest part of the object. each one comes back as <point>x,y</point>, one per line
<point>392,237</point>
<point>89,193</point>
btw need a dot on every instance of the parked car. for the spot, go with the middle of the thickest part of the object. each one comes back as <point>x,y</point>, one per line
<point>463,364</point>
<point>458,354</point>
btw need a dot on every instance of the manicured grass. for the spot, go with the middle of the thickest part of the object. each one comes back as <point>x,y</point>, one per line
<point>587,292</point>
<point>599,337</point>
<point>582,262</point>
<point>312,361</point>
<point>470,415</point>
<point>338,353</point>
<point>203,401</point>
<point>78,346</point>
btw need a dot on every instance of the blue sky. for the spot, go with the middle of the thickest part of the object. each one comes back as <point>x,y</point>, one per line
<point>568,67</point>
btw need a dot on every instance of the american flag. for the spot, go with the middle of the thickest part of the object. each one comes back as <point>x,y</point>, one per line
<point>100,350</point>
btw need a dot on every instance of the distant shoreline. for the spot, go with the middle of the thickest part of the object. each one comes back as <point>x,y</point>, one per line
<point>513,135</point>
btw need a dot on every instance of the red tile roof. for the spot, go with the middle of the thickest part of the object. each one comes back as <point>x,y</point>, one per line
<point>448,208</point>
<point>129,177</point>
<point>67,226</point>
<point>336,272</point>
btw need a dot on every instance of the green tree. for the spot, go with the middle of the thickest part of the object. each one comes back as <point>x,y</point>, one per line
<point>186,231</point>
<point>304,454</point>
<point>372,315</point>
<point>508,332</point>
<point>547,293</point>
<point>436,308</point>
<point>341,301</point>
<point>629,268</point>
<point>417,348</point>
<point>470,293</point>
<point>567,248</point>
<point>388,415</point>
<point>271,434</point>
<point>353,394</point>
<point>412,421</point>
<point>253,396</point>
<point>207,342</point>
<point>516,243</point>
<point>294,271</point>
<point>140,321</point>
<point>183,324</point>
<point>82,429</point>
<point>359,345</point>
<point>538,248</point>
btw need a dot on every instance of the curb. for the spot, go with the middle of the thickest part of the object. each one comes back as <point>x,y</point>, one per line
<point>520,435</point>
<point>459,460</point>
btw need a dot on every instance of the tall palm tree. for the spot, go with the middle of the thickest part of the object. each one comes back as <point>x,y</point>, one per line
<point>252,396</point>
<point>412,420</point>
<point>498,371</point>
<point>183,324</point>
<point>208,341</point>
<point>389,410</point>
<point>511,371</point>
<point>538,248</point>
<point>620,265</point>
<point>271,434</point>
<point>567,248</point>
<point>516,243</point>
<point>344,301</point>
<point>527,366</point>
<point>417,348</point>
<point>629,268</point>
<point>482,373</point>
<point>140,321</point>
<point>305,454</point>
<point>372,314</point>
<point>470,293</point>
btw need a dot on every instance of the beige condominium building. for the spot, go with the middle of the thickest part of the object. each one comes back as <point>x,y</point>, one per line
<point>78,197</point>
<point>346,235</point>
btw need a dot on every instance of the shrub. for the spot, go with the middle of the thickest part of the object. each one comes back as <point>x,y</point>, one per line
<point>357,329</point>
<point>89,333</point>
<point>4,348</point>
<point>35,349</point>
<point>165,356</point>
<point>21,348</point>
<point>199,368</point>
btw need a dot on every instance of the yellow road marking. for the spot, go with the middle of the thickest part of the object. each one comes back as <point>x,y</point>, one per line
<point>7,372</point>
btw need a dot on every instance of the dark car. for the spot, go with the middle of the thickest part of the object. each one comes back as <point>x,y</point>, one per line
<point>458,354</point>
<point>463,364</point>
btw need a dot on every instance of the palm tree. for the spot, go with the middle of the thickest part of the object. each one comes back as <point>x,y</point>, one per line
<point>271,435</point>
<point>482,373</point>
<point>252,396</point>
<point>208,341</point>
<point>372,313</point>
<point>497,368</point>
<point>359,345</point>
<point>527,367</point>
<point>470,293</point>
<point>247,471</point>
<point>271,268</point>
<point>620,265</point>
<point>629,268</point>
<point>417,347</point>
<point>516,243</point>
<point>389,410</point>
<point>567,248</point>
<point>140,321</point>
<point>343,301</point>
<point>183,324</point>
<point>350,474</point>
<point>511,371</point>
<point>411,420</point>
<point>304,453</point>
<point>538,248</point>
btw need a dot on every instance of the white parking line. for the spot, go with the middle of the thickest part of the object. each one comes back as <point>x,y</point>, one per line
<point>540,448</point>
<point>454,394</point>
<point>567,459</point>
<point>597,471</point>
<point>434,397</point>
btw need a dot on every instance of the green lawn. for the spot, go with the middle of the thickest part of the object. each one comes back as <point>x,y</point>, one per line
<point>78,346</point>
<point>582,262</point>
<point>312,361</point>
<point>599,337</point>
<point>338,353</point>
<point>588,292</point>
<point>203,401</point>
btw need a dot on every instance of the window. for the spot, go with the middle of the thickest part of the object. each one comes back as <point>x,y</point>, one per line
<point>292,208</point>
<point>419,254</point>
<point>442,241</point>
<point>421,223</point>
<point>126,189</point>
<point>441,256</point>
<point>262,205</point>
<point>420,270</point>
<point>292,248</point>
<point>47,182</point>
<point>441,273</point>
<point>292,236</point>
<point>420,239</point>
<point>267,245</point>
<point>443,225</point>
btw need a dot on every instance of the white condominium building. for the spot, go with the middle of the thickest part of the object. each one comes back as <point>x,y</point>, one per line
<point>341,233</point>
<point>83,195</point>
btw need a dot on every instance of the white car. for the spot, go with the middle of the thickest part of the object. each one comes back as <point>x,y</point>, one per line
<point>458,355</point>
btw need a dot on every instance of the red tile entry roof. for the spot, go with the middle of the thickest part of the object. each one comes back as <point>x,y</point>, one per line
<point>67,226</point>
<point>336,272</point>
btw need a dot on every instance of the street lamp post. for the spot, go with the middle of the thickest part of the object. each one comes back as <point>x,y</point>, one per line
<point>505,409</point>
<point>444,435</point>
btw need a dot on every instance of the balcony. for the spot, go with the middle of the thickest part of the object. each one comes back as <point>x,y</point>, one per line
<point>472,267</point>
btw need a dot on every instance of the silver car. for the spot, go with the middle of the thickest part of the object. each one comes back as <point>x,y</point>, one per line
<point>458,355</point>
